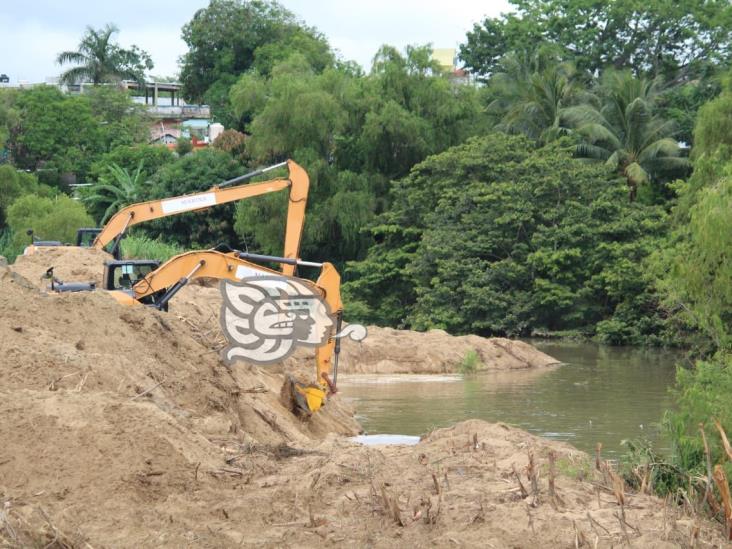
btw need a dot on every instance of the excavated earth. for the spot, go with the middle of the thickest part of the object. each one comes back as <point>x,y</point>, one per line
<point>122,428</point>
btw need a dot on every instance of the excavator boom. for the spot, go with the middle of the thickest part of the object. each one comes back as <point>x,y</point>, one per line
<point>297,182</point>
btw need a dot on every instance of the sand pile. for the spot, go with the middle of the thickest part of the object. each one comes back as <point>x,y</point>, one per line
<point>384,351</point>
<point>94,470</point>
<point>87,342</point>
<point>120,427</point>
<point>70,264</point>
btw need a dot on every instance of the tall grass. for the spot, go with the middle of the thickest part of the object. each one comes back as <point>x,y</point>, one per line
<point>8,248</point>
<point>470,363</point>
<point>142,247</point>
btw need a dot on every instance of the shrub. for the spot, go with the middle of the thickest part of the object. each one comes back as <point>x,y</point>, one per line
<point>183,146</point>
<point>50,218</point>
<point>470,363</point>
<point>142,247</point>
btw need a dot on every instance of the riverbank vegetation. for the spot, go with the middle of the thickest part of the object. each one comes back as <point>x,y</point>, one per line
<point>580,183</point>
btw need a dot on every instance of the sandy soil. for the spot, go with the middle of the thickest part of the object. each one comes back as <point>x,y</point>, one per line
<point>384,351</point>
<point>121,428</point>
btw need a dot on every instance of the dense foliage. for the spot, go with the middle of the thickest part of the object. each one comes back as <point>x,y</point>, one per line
<point>229,37</point>
<point>194,172</point>
<point>498,237</point>
<point>679,41</point>
<point>352,133</point>
<point>695,277</point>
<point>61,136</point>
<point>98,59</point>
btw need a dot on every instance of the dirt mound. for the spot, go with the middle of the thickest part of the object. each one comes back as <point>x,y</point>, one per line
<point>389,351</point>
<point>385,350</point>
<point>121,427</point>
<point>86,341</point>
<point>70,264</point>
<point>459,486</point>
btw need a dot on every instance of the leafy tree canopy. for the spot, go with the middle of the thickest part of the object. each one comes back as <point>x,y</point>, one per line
<point>194,172</point>
<point>496,237</point>
<point>678,41</point>
<point>55,218</point>
<point>352,133</point>
<point>229,37</point>
<point>61,136</point>
<point>98,59</point>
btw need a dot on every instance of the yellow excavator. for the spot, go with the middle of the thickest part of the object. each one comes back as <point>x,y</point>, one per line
<point>223,193</point>
<point>146,282</point>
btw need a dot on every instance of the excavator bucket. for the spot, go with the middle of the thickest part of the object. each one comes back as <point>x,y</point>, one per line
<point>303,400</point>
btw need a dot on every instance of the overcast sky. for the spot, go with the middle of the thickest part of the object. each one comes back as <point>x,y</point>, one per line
<point>32,32</point>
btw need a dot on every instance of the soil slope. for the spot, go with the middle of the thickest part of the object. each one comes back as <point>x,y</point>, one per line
<point>121,428</point>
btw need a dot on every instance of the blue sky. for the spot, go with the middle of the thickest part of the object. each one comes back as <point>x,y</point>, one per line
<point>32,32</point>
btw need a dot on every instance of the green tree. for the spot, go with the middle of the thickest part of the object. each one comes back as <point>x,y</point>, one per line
<point>125,188</point>
<point>532,92</point>
<point>352,133</point>
<point>56,134</point>
<point>60,137</point>
<point>234,143</point>
<point>679,41</point>
<point>626,134</point>
<point>123,121</point>
<point>497,237</point>
<point>229,37</point>
<point>55,218</point>
<point>129,157</point>
<point>8,117</point>
<point>100,60</point>
<point>13,185</point>
<point>694,277</point>
<point>194,173</point>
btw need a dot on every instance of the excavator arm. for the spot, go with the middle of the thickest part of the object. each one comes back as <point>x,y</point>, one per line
<point>166,280</point>
<point>298,183</point>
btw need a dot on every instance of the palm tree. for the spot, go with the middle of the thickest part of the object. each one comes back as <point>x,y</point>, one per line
<point>124,191</point>
<point>99,60</point>
<point>532,93</point>
<point>625,132</point>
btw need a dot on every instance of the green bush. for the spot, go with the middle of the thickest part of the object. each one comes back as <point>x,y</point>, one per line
<point>702,395</point>
<point>142,247</point>
<point>8,248</point>
<point>188,174</point>
<point>183,146</point>
<point>470,363</point>
<point>616,332</point>
<point>50,218</point>
<point>14,184</point>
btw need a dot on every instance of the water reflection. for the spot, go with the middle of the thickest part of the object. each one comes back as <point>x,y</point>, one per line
<point>601,394</point>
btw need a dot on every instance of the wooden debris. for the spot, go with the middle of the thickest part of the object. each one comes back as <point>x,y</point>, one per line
<point>725,441</point>
<point>720,478</point>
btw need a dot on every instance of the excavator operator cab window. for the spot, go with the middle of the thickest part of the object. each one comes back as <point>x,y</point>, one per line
<point>85,237</point>
<point>123,276</point>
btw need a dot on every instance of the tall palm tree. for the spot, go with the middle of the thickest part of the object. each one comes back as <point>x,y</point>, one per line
<point>126,189</point>
<point>624,131</point>
<point>99,60</point>
<point>532,93</point>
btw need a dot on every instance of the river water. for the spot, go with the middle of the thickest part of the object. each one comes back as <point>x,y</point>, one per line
<point>600,394</point>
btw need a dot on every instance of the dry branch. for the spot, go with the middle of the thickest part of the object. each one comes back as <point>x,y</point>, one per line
<point>725,441</point>
<point>723,485</point>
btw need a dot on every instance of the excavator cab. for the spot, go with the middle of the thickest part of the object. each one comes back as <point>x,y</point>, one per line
<point>124,274</point>
<point>85,236</point>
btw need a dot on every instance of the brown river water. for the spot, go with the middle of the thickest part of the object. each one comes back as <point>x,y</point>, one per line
<point>600,394</point>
